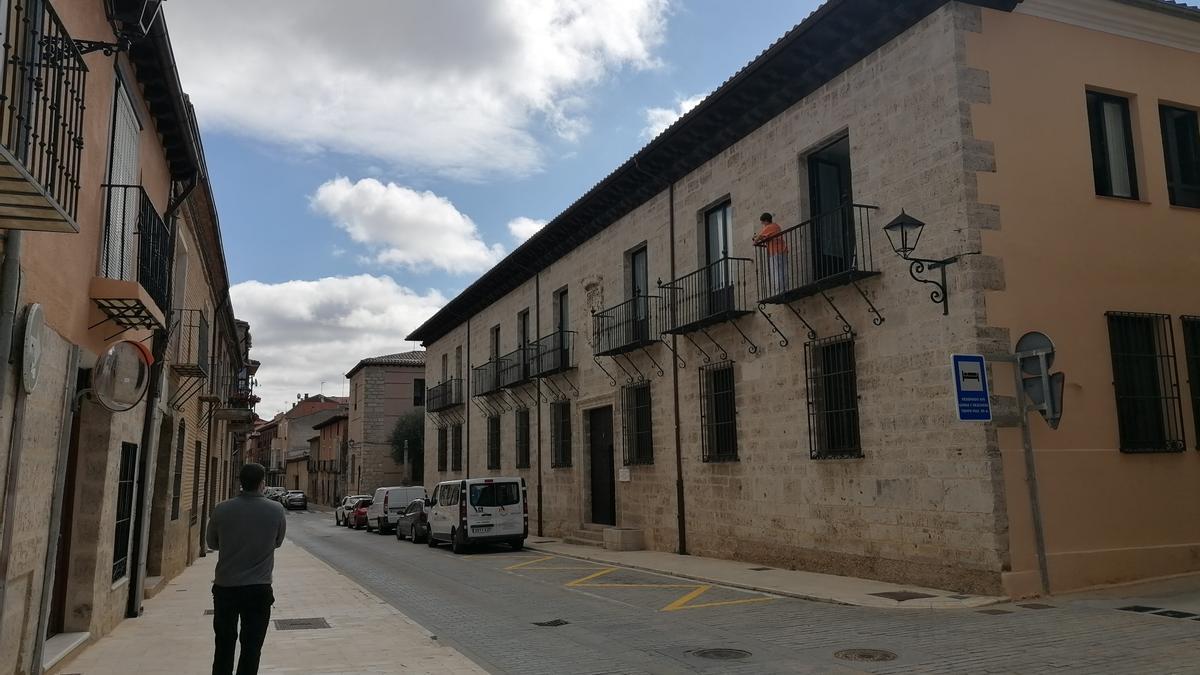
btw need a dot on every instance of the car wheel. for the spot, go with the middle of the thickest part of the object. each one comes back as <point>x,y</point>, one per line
<point>517,544</point>
<point>369,528</point>
<point>456,542</point>
<point>429,540</point>
<point>399,533</point>
<point>379,527</point>
<point>412,535</point>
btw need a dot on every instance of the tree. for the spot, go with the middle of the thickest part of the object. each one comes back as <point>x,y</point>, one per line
<point>408,438</point>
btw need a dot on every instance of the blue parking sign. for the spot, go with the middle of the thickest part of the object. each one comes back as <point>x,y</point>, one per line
<point>971,394</point>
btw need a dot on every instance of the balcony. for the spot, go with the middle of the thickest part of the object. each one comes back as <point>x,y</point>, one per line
<point>136,255</point>
<point>829,250</point>
<point>712,294</point>
<point>552,354</point>
<point>188,350</point>
<point>485,379</point>
<point>42,82</point>
<point>444,396</point>
<point>514,368</point>
<point>631,325</point>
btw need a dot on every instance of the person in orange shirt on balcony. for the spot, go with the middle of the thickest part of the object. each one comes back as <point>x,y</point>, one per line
<point>770,237</point>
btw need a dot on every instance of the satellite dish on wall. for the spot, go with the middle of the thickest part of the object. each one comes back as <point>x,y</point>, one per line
<point>121,376</point>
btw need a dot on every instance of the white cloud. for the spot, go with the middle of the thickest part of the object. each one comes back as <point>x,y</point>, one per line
<point>658,119</point>
<point>406,228</point>
<point>458,87</point>
<point>522,228</point>
<point>308,332</point>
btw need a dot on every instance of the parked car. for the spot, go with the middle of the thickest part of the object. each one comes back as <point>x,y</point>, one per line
<point>341,513</point>
<point>274,493</point>
<point>358,514</point>
<point>413,521</point>
<point>295,499</point>
<point>388,502</point>
<point>479,510</point>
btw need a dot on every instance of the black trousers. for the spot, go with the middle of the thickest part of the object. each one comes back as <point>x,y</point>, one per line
<point>252,606</point>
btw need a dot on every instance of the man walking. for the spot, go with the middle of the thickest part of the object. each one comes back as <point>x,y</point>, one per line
<point>245,531</point>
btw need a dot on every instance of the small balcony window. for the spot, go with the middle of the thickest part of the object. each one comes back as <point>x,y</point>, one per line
<point>1113,165</point>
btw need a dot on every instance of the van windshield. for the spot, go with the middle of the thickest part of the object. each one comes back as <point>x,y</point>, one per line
<point>495,494</point>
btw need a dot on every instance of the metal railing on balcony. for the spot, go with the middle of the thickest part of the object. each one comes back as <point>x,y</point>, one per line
<point>633,324</point>
<point>514,368</point>
<point>485,379</point>
<point>552,354</point>
<point>444,396</point>
<point>42,83</point>
<point>828,250</point>
<point>137,245</point>
<point>714,293</point>
<point>188,352</point>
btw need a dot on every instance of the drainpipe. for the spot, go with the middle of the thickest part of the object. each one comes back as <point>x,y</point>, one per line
<point>681,523</point>
<point>10,281</point>
<point>537,330</point>
<point>467,408</point>
<point>146,469</point>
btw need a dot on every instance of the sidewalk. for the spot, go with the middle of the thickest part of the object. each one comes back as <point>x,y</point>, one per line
<point>791,583</point>
<point>365,635</point>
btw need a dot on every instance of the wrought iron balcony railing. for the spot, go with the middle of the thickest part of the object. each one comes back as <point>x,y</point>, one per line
<point>514,368</point>
<point>42,83</point>
<point>633,324</point>
<point>828,250</point>
<point>552,354</point>
<point>714,293</point>
<point>137,244</point>
<point>485,379</point>
<point>444,396</point>
<point>189,343</point>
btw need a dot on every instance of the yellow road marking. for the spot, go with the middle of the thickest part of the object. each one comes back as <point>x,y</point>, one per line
<point>584,580</point>
<point>639,585</point>
<point>680,602</point>
<point>529,562</point>
<point>719,603</point>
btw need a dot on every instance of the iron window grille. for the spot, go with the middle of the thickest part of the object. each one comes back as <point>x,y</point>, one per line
<point>1113,164</point>
<point>194,516</point>
<point>177,482</point>
<point>493,443</point>
<point>1146,382</point>
<point>560,434</point>
<point>522,435</point>
<point>124,510</point>
<point>442,447</point>
<point>636,421</point>
<point>1191,345</point>
<point>456,447</point>
<point>833,430</point>
<point>718,413</point>
<point>1181,150</point>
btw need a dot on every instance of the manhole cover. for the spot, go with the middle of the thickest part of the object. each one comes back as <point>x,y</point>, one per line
<point>553,623</point>
<point>901,596</point>
<point>1036,605</point>
<point>546,541</point>
<point>865,655</point>
<point>721,654</point>
<point>1175,614</point>
<point>995,612</point>
<point>1139,608</point>
<point>760,569</point>
<point>301,624</point>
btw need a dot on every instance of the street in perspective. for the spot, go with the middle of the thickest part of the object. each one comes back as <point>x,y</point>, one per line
<point>650,336</point>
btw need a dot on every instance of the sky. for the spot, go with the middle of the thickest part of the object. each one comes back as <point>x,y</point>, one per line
<point>371,158</point>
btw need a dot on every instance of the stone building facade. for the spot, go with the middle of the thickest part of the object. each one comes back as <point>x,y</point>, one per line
<point>330,460</point>
<point>643,363</point>
<point>382,389</point>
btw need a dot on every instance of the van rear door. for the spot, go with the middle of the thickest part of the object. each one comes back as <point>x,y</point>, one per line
<point>494,508</point>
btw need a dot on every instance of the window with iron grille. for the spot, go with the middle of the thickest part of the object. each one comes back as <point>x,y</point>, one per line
<point>194,516</point>
<point>419,392</point>
<point>523,438</point>
<point>1146,382</point>
<point>718,413</point>
<point>177,483</point>
<point>560,434</point>
<point>442,433</point>
<point>124,510</point>
<point>493,442</point>
<point>456,447</point>
<point>1191,345</point>
<point>635,417</point>
<point>832,398</point>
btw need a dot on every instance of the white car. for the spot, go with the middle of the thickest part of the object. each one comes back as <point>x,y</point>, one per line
<point>479,510</point>
<point>388,503</point>
<point>344,507</point>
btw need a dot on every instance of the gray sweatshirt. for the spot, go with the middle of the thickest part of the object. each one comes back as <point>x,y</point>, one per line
<point>246,530</point>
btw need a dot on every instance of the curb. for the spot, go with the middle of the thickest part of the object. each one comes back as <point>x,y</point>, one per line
<point>760,589</point>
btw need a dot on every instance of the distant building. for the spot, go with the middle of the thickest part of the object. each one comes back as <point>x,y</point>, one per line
<point>382,389</point>
<point>330,459</point>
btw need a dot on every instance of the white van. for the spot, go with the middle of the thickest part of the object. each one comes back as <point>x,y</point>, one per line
<point>387,502</point>
<point>476,510</point>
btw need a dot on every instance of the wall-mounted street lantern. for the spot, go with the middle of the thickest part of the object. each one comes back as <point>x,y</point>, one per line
<point>131,21</point>
<point>903,233</point>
